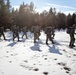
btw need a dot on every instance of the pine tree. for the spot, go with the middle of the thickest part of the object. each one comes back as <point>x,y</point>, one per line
<point>5,13</point>
<point>2,7</point>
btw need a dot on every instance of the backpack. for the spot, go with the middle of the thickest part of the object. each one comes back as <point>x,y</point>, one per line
<point>48,30</point>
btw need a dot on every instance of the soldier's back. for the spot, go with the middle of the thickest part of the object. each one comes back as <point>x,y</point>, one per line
<point>24,29</point>
<point>72,30</point>
<point>37,29</point>
<point>48,30</point>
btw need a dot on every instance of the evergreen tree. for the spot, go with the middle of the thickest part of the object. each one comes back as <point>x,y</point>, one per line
<point>69,23</point>
<point>61,20</point>
<point>4,13</point>
<point>2,5</point>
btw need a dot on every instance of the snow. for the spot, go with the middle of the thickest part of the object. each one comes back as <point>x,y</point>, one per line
<point>27,58</point>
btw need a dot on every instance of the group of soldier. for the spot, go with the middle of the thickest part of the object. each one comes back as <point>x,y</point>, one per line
<point>49,31</point>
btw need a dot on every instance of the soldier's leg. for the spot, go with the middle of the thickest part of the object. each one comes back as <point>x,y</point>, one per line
<point>14,36</point>
<point>26,35</point>
<point>0,36</point>
<point>38,35</point>
<point>17,36</point>
<point>51,39</point>
<point>47,37</point>
<point>22,35</point>
<point>3,36</point>
<point>71,42</point>
<point>53,36</point>
<point>35,37</point>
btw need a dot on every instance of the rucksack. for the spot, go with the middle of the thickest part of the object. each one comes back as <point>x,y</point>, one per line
<point>48,30</point>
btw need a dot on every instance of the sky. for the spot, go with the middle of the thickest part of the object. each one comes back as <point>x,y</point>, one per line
<point>66,6</point>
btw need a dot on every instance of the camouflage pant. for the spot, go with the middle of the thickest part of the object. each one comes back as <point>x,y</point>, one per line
<point>1,35</point>
<point>15,35</point>
<point>48,37</point>
<point>36,36</point>
<point>53,35</point>
<point>72,40</point>
<point>25,35</point>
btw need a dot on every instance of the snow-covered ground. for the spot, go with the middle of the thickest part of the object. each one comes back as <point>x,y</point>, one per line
<point>27,58</point>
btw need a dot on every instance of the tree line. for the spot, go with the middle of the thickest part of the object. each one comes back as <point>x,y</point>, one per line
<point>27,16</point>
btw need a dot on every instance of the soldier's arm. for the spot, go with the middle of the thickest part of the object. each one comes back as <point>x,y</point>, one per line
<point>75,33</point>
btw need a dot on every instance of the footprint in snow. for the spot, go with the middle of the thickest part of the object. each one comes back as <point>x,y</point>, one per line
<point>45,73</point>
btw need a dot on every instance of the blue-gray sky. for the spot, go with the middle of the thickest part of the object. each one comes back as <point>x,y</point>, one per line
<point>66,6</point>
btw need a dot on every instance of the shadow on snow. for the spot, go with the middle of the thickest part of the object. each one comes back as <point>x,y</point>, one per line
<point>12,44</point>
<point>53,49</point>
<point>36,47</point>
<point>9,39</point>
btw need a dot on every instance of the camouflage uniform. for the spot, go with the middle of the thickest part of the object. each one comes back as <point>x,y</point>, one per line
<point>36,33</point>
<point>24,29</point>
<point>32,29</point>
<point>2,33</point>
<point>72,38</point>
<point>15,30</point>
<point>49,34</point>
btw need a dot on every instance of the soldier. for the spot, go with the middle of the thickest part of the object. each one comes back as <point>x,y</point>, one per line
<point>36,33</point>
<point>49,33</point>
<point>15,30</point>
<point>72,38</point>
<point>2,32</point>
<point>24,29</point>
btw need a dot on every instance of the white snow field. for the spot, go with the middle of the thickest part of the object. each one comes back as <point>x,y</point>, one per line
<point>27,58</point>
